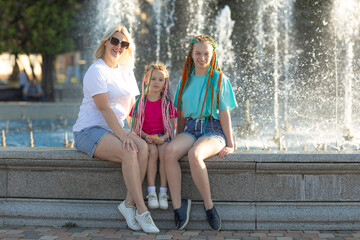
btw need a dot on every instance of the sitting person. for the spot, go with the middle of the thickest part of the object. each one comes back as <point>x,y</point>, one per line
<point>153,119</point>
<point>204,97</point>
<point>32,91</point>
<point>109,93</point>
<point>23,79</point>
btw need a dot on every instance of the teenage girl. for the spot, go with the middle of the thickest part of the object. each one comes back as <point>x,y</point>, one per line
<point>203,98</point>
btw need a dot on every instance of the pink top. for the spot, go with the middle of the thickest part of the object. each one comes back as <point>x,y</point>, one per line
<point>153,117</point>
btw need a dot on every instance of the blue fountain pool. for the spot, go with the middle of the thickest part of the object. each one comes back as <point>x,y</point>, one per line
<point>46,133</point>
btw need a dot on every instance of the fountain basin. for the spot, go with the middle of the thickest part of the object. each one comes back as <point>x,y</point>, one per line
<point>252,190</point>
<point>36,111</point>
<point>24,124</point>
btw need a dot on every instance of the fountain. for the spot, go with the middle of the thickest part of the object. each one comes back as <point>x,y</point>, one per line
<point>164,22</point>
<point>37,133</point>
<point>297,128</point>
<point>301,119</point>
<point>274,21</point>
<point>3,137</point>
<point>297,91</point>
<point>346,24</point>
<point>157,14</point>
<point>225,52</point>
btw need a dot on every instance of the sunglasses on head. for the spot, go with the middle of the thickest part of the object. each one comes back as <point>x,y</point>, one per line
<point>114,41</point>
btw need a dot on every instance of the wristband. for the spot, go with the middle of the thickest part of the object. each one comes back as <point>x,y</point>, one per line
<point>128,134</point>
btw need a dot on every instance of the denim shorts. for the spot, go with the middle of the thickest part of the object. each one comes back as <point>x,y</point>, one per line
<point>167,140</point>
<point>88,138</point>
<point>198,130</point>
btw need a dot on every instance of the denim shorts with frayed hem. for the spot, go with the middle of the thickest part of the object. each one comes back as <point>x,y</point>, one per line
<point>167,140</point>
<point>88,138</point>
<point>196,129</point>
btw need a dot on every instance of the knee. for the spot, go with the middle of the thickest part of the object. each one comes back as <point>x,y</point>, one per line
<point>169,150</point>
<point>153,153</point>
<point>194,158</point>
<point>142,147</point>
<point>128,157</point>
<point>169,154</point>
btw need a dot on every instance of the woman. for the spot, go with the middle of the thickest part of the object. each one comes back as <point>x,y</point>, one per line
<point>109,92</point>
<point>204,97</point>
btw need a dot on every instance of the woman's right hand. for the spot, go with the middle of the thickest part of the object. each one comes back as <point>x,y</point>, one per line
<point>128,143</point>
<point>102,103</point>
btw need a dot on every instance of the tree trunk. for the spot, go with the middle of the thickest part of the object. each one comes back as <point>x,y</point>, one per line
<point>31,66</point>
<point>48,79</point>
<point>14,76</point>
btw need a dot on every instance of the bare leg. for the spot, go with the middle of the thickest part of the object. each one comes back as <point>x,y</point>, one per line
<point>203,148</point>
<point>161,150</point>
<point>142,156</point>
<point>175,150</point>
<point>152,165</point>
<point>110,148</point>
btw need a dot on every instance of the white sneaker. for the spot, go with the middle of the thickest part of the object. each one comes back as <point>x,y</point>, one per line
<point>129,215</point>
<point>163,200</point>
<point>146,222</point>
<point>152,200</point>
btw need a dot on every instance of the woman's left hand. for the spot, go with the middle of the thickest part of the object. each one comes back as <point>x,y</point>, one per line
<point>226,151</point>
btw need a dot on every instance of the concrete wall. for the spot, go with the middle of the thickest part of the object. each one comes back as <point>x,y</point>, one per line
<point>36,110</point>
<point>268,191</point>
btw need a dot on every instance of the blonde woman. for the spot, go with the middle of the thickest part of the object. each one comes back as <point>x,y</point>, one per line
<point>109,93</point>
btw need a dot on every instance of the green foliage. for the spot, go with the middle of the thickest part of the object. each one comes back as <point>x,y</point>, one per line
<point>37,26</point>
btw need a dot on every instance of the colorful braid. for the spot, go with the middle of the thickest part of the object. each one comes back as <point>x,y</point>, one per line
<point>138,114</point>
<point>189,68</point>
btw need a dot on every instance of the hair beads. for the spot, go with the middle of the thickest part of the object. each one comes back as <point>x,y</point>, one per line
<point>138,114</point>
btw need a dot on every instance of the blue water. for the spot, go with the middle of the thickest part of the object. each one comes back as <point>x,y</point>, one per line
<point>46,133</point>
<point>51,133</point>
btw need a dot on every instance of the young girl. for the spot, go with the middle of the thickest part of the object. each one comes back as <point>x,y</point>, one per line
<point>204,97</point>
<point>153,119</point>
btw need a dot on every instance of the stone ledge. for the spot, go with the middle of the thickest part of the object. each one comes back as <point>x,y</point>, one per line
<point>268,191</point>
<point>95,213</point>
<point>249,156</point>
<point>39,110</point>
<point>235,215</point>
<point>308,216</point>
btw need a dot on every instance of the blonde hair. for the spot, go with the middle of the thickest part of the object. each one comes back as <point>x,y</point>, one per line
<point>167,106</point>
<point>128,57</point>
<point>160,66</point>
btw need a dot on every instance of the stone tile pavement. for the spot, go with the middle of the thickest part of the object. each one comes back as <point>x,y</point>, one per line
<point>59,233</point>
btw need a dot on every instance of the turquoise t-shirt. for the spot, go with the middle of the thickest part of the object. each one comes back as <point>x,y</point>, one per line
<point>194,93</point>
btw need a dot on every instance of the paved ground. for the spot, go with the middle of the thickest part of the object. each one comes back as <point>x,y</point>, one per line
<point>59,233</point>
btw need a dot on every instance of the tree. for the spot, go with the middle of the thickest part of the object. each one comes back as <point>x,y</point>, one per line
<point>38,26</point>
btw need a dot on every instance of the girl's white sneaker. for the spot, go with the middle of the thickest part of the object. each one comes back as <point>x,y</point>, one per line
<point>152,200</point>
<point>163,200</point>
<point>146,222</point>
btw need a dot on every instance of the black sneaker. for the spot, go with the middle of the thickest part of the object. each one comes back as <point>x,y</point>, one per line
<point>182,214</point>
<point>213,219</point>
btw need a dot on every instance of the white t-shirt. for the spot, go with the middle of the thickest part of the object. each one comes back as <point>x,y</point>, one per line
<point>120,85</point>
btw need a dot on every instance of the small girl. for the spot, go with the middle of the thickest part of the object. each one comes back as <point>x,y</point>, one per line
<point>153,119</point>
